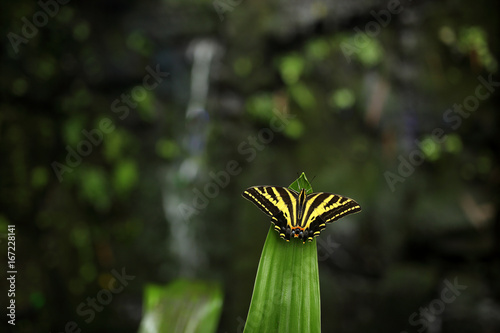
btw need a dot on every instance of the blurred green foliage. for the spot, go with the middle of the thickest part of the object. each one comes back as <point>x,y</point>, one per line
<point>347,119</point>
<point>182,306</point>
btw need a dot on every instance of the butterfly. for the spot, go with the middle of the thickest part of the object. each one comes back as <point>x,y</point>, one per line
<point>298,214</point>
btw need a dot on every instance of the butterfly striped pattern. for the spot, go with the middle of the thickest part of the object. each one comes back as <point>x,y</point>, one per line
<point>298,214</point>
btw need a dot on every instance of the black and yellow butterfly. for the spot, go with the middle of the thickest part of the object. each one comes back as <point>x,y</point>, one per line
<point>299,214</point>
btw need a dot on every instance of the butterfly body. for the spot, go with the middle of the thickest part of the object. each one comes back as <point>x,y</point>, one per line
<point>298,214</point>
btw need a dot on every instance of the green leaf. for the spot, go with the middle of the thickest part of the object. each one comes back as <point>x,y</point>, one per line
<point>125,177</point>
<point>93,187</point>
<point>294,129</point>
<point>301,183</point>
<point>261,106</point>
<point>291,67</point>
<point>182,306</point>
<point>286,291</point>
<point>343,98</point>
<point>303,96</point>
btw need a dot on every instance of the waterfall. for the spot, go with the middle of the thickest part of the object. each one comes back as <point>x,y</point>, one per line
<point>191,166</point>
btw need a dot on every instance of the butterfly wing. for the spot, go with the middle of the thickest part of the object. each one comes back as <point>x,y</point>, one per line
<point>277,202</point>
<point>322,208</point>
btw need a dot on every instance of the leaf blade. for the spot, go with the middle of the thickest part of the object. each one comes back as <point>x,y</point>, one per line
<point>286,290</point>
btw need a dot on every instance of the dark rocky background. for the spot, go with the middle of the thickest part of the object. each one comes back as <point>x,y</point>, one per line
<point>381,101</point>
